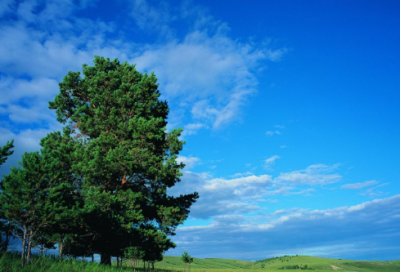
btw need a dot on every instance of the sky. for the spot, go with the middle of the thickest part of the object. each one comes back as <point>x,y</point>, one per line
<point>290,111</point>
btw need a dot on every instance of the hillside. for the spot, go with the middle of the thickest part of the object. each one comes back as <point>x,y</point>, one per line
<point>208,263</point>
<point>283,262</point>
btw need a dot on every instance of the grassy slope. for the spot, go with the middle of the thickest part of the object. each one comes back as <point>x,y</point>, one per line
<point>273,264</point>
<point>209,263</point>
<point>11,262</point>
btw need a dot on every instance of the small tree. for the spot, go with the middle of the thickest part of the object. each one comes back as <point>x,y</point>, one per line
<point>23,200</point>
<point>134,254</point>
<point>186,258</point>
<point>5,151</point>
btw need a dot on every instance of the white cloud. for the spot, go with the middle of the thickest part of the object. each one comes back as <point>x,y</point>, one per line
<point>24,141</point>
<point>243,183</point>
<point>360,185</point>
<point>247,191</point>
<point>270,161</point>
<point>241,174</point>
<point>192,128</point>
<point>189,162</point>
<point>210,73</point>
<point>313,175</point>
<point>152,18</point>
<point>373,191</point>
<point>299,231</point>
<point>270,133</point>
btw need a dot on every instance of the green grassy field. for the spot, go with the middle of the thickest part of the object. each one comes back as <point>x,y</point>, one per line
<point>11,262</point>
<point>278,264</point>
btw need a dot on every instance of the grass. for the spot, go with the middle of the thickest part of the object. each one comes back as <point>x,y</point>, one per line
<point>11,262</point>
<point>276,264</point>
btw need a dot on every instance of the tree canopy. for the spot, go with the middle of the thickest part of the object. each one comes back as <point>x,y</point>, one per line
<point>101,185</point>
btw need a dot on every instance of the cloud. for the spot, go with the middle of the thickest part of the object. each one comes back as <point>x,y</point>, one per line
<point>192,128</point>
<point>205,71</point>
<point>207,75</point>
<point>212,74</point>
<point>360,185</point>
<point>241,183</point>
<point>372,191</point>
<point>25,141</point>
<point>189,162</point>
<point>245,193</point>
<point>47,40</point>
<point>270,133</point>
<point>270,161</point>
<point>153,17</point>
<point>220,196</point>
<point>241,174</point>
<point>298,231</point>
<point>316,174</point>
<point>5,7</point>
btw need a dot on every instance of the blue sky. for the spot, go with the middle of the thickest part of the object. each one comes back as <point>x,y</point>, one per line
<point>290,111</point>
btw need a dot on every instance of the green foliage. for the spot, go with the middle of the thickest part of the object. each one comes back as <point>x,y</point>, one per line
<point>103,190</point>
<point>186,258</point>
<point>5,151</point>
<point>124,156</point>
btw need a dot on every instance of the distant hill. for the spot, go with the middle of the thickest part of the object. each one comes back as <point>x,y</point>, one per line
<point>278,263</point>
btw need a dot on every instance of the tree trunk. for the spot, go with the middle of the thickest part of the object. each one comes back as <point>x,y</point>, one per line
<point>105,259</point>
<point>93,258</point>
<point>7,240</point>
<point>60,249</point>
<point>28,253</point>
<point>23,247</point>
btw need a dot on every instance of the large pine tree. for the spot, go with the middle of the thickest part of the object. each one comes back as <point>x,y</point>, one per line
<point>125,157</point>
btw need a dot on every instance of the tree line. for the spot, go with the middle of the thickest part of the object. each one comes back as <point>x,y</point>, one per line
<point>99,186</point>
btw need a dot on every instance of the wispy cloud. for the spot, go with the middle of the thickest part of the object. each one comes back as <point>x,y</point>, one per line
<point>270,132</point>
<point>355,186</point>
<point>247,191</point>
<point>316,174</point>
<point>373,191</point>
<point>270,161</point>
<point>206,75</point>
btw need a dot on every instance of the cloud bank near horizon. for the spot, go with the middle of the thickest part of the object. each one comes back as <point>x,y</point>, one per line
<point>356,232</point>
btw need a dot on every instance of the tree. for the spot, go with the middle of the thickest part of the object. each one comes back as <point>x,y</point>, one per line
<point>66,198</point>
<point>5,152</point>
<point>186,258</point>
<point>125,157</point>
<point>134,254</point>
<point>23,200</point>
<point>38,198</point>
